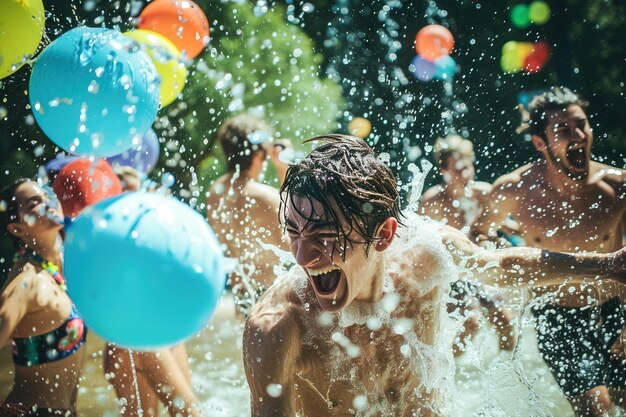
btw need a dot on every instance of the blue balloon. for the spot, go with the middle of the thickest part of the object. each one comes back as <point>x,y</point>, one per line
<point>446,67</point>
<point>142,157</point>
<point>94,92</point>
<point>422,69</point>
<point>145,271</point>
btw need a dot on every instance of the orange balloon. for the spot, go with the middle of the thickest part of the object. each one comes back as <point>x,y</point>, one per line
<point>181,21</point>
<point>433,41</point>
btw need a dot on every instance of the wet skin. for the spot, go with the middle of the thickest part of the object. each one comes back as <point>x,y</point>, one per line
<point>566,202</point>
<point>31,303</point>
<point>459,198</point>
<point>317,375</point>
<point>308,347</point>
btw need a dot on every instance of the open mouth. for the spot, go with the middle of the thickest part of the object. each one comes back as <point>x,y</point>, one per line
<point>577,158</point>
<point>325,280</point>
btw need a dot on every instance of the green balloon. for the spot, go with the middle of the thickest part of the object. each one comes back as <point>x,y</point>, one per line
<point>520,16</point>
<point>539,12</point>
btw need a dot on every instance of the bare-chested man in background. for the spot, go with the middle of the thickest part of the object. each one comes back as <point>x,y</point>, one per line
<point>243,211</point>
<point>356,326</point>
<point>567,202</point>
<point>457,202</point>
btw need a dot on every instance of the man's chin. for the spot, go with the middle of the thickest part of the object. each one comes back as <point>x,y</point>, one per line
<point>337,302</point>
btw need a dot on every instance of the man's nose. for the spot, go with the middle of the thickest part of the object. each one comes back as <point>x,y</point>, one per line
<point>307,254</point>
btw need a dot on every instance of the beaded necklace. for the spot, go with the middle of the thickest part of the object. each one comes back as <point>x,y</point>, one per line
<point>49,266</point>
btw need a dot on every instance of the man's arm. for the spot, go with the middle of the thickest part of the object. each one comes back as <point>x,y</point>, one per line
<point>495,210</point>
<point>271,347</point>
<point>523,266</point>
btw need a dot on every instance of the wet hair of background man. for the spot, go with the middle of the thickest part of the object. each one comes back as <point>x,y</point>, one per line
<point>451,145</point>
<point>233,137</point>
<point>344,170</point>
<point>556,98</point>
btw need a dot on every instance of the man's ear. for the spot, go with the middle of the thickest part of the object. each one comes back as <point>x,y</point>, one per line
<point>385,234</point>
<point>539,143</point>
<point>15,229</point>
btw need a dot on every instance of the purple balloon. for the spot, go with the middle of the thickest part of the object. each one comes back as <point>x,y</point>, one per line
<point>142,157</point>
<point>60,161</point>
<point>422,69</point>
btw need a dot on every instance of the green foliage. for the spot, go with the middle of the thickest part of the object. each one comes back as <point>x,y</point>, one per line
<point>257,64</point>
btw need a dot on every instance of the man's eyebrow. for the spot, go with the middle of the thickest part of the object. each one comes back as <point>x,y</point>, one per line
<point>311,225</point>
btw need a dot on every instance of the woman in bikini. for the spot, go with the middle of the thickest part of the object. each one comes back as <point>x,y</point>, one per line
<point>36,315</point>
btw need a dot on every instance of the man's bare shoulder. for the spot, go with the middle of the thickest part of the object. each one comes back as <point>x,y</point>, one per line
<point>481,188</point>
<point>262,192</point>
<point>431,194</point>
<point>279,308</point>
<point>516,180</point>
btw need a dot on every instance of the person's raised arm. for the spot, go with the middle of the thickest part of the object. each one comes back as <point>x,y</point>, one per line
<point>271,348</point>
<point>523,266</point>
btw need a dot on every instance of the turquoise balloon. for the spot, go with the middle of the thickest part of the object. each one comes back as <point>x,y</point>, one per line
<point>446,67</point>
<point>144,270</point>
<point>94,92</point>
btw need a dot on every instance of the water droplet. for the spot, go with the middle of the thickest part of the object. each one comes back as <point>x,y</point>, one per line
<point>274,390</point>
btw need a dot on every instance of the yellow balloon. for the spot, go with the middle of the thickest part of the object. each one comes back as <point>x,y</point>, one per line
<point>166,59</point>
<point>524,49</point>
<point>359,127</point>
<point>21,29</point>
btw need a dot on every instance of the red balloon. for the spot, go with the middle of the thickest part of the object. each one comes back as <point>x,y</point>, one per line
<point>433,41</point>
<point>82,183</point>
<point>181,21</point>
<point>538,57</point>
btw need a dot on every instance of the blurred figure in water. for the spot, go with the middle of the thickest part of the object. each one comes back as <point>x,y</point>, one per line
<point>129,177</point>
<point>456,202</point>
<point>244,212</point>
<point>162,375</point>
<point>36,315</point>
<point>357,327</point>
<point>567,202</point>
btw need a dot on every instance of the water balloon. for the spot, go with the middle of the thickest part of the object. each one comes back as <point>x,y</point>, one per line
<point>433,41</point>
<point>423,69</point>
<point>21,27</point>
<point>144,270</point>
<point>520,16</point>
<point>166,60</point>
<point>82,183</point>
<point>93,92</point>
<point>359,127</point>
<point>446,67</point>
<point>539,12</point>
<point>181,21</point>
<point>142,157</point>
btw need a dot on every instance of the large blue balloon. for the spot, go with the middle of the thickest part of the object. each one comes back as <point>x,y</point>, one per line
<point>145,271</point>
<point>94,92</point>
<point>142,157</point>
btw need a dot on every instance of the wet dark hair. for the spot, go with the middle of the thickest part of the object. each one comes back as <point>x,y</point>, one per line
<point>233,137</point>
<point>344,170</point>
<point>451,145</point>
<point>9,210</point>
<point>556,98</point>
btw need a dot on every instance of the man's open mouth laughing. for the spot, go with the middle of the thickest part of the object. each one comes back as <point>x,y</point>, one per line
<point>325,280</point>
<point>577,157</point>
